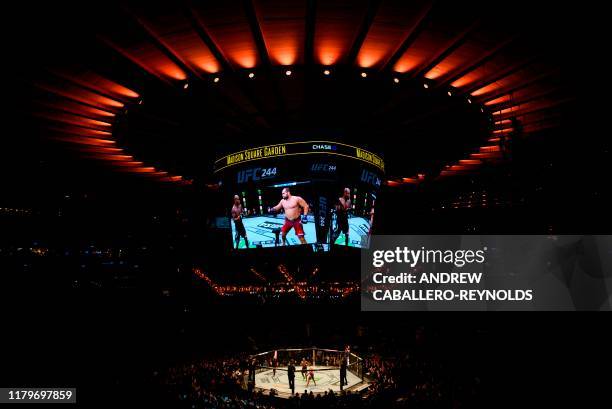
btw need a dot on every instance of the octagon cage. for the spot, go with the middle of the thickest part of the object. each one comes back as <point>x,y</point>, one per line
<point>270,368</point>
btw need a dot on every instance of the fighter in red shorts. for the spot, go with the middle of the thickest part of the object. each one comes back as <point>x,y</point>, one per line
<point>294,207</point>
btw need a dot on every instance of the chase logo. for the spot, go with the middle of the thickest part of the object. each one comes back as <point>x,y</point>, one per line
<point>323,147</point>
<point>370,177</point>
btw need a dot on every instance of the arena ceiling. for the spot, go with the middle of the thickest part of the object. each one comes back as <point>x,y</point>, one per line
<point>157,90</point>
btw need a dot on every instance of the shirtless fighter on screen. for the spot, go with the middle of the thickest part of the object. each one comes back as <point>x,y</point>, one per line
<point>237,218</point>
<point>293,206</point>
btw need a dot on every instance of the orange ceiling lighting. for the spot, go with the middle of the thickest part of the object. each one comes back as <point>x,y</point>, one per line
<point>95,132</point>
<point>73,119</point>
<point>206,63</point>
<point>503,122</point>
<point>499,100</point>
<point>506,82</point>
<point>79,109</point>
<point>446,66</point>
<point>143,169</point>
<point>484,155</point>
<point>87,141</point>
<point>228,27</point>
<point>414,56</point>
<point>492,66</point>
<point>172,179</point>
<point>489,149</point>
<point>482,40</point>
<point>116,157</point>
<point>406,63</point>
<point>283,30</point>
<point>169,69</point>
<point>393,22</point>
<point>151,59</point>
<point>100,150</point>
<point>502,131</point>
<point>458,168</point>
<point>486,89</point>
<point>370,58</point>
<point>174,31</point>
<point>81,95</point>
<point>133,163</point>
<point>507,110</point>
<point>430,42</point>
<point>75,130</point>
<point>329,52</point>
<point>334,36</point>
<point>99,83</point>
<point>465,80</point>
<point>419,37</point>
<point>436,72</point>
<point>451,62</point>
<point>97,123</point>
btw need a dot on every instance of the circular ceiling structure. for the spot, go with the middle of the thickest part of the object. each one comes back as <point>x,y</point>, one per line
<point>159,91</point>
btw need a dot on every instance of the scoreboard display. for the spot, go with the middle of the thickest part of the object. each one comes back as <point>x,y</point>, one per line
<point>333,186</point>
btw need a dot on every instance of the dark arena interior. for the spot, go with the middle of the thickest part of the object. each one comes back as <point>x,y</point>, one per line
<point>131,127</point>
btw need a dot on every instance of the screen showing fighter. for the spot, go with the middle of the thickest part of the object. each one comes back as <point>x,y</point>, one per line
<point>342,209</point>
<point>352,217</point>
<point>239,230</point>
<point>296,210</point>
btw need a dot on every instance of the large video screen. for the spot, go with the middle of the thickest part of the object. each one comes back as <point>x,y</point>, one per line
<point>320,194</point>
